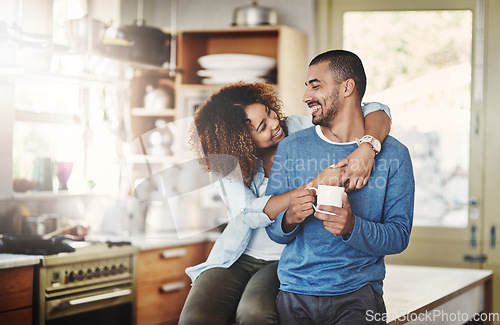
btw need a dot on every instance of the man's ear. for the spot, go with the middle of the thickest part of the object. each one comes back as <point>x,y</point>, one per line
<point>349,86</point>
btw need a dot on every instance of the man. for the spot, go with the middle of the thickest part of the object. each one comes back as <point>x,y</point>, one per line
<point>332,268</point>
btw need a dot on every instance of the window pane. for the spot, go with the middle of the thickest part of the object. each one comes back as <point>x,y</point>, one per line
<point>425,78</point>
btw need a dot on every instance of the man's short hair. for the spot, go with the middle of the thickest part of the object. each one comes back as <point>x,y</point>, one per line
<point>344,65</point>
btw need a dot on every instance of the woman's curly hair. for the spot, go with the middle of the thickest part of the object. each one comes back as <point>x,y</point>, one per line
<point>222,134</point>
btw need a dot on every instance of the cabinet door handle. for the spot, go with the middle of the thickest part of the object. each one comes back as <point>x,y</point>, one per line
<point>493,236</point>
<point>108,295</point>
<point>176,252</point>
<point>475,258</point>
<point>174,286</point>
<point>473,236</point>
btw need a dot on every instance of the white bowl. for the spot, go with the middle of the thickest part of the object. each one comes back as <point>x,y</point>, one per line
<point>236,61</point>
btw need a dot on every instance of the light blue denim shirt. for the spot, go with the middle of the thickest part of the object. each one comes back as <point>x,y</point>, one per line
<point>246,208</point>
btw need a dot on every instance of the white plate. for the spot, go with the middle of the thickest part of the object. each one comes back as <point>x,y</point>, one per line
<point>223,81</point>
<point>236,61</point>
<point>232,73</point>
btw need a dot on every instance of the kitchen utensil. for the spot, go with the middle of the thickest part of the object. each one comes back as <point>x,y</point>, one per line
<point>149,44</point>
<point>59,231</point>
<point>77,32</point>
<point>254,15</point>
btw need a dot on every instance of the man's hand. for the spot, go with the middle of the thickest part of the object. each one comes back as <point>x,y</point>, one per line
<point>342,222</point>
<point>358,167</point>
<point>301,201</point>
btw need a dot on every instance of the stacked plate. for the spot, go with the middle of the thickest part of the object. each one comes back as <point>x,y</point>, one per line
<point>229,68</point>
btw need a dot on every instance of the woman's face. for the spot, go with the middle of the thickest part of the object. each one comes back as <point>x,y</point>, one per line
<point>264,126</point>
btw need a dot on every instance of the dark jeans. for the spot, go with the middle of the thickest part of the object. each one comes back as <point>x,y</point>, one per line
<point>363,306</point>
<point>246,291</point>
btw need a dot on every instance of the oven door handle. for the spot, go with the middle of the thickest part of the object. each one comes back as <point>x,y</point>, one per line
<point>103,296</point>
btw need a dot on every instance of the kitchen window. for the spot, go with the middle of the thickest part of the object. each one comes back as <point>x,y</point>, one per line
<point>424,60</point>
<point>425,77</point>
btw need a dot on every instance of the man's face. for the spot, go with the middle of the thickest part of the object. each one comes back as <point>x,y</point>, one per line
<point>322,94</point>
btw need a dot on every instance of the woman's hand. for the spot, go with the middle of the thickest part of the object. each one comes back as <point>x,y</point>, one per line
<point>330,176</point>
<point>358,166</point>
<point>301,206</point>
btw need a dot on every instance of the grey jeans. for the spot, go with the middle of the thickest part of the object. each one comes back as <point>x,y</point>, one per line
<point>358,307</point>
<point>245,292</point>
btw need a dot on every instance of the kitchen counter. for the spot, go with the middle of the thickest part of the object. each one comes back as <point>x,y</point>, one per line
<point>435,295</point>
<point>13,260</point>
<point>144,242</point>
<point>413,294</point>
<point>159,240</point>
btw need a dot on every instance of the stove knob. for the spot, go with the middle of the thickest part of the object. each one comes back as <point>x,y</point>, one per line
<point>97,272</point>
<point>71,276</point>
<point>114,270</point>
<point>105,271</point>
<point>89,274</point>
<point>80,275</point>
<point>121,268</point>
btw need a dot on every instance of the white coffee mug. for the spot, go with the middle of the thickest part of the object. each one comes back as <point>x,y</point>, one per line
<point>328,195</point>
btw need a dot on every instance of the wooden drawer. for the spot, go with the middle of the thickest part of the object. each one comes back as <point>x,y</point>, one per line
<point>18,317</point>
<point>17,288</point>
<point>169,262</point>
<point>161,301</point>
<point>162,284</point>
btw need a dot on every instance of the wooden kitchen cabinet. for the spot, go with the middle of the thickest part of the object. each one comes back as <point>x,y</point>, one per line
<point>16,300</point>
<point>162,285</point>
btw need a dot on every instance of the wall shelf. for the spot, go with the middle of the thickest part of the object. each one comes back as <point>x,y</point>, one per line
<point>35,117</point>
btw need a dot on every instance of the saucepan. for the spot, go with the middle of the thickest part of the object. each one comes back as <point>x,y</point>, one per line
<point>254,15</point>
<point>40,225</point>
<point>47,226</point>
<point>77,32</point>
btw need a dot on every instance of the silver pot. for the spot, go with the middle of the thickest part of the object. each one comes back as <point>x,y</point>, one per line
<point>40,225</point>
<point>254,15</point>
<point>77,32</point>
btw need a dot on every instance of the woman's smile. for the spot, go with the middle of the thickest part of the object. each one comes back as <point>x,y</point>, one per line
<point>279,134</point>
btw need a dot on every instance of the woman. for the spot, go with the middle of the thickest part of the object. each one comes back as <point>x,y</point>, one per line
<point>238,280</point>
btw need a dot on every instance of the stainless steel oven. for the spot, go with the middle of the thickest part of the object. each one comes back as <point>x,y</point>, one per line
<point>95,284</point>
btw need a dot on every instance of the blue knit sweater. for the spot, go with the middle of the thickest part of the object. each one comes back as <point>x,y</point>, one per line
<point>316,262</point>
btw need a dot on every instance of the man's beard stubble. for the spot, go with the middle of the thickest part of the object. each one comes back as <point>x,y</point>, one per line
<point>331,112</point>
